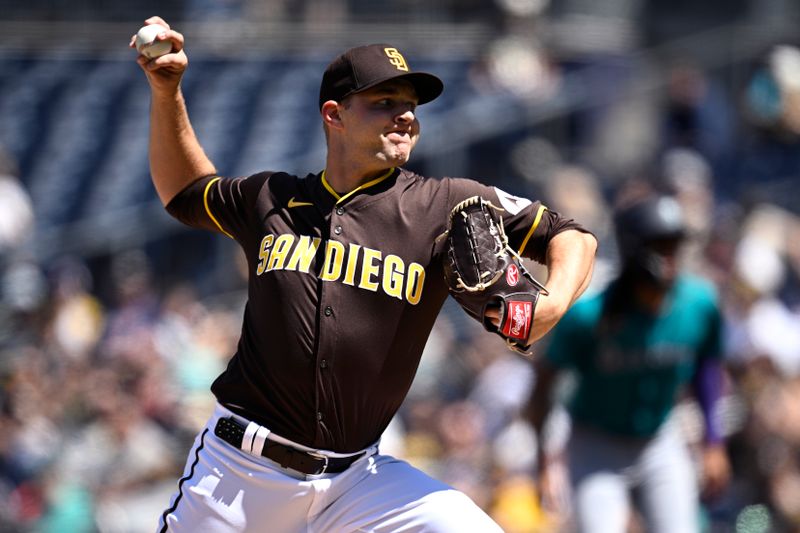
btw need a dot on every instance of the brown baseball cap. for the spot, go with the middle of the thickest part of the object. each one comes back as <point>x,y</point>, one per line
<point>362,67</point>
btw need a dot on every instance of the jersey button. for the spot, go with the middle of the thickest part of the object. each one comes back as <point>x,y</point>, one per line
<point>328,311</point>
<point>319,415</point>
<point>337,230</point>
<point>323,363</point>
<point>340,210</point>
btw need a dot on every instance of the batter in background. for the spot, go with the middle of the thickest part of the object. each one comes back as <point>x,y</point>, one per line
<point>345,282</point>
<point>633,347</point>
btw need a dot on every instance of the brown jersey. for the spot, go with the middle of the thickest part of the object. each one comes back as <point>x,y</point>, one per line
<point>343,292</point>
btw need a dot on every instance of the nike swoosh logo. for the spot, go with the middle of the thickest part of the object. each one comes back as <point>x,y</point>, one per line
<point>292,203</point>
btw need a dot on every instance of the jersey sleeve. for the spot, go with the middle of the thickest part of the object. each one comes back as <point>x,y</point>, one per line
<point>218,204</point>
<point>529,224</point>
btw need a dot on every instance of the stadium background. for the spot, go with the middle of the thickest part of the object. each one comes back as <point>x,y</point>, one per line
<point>114,318</point>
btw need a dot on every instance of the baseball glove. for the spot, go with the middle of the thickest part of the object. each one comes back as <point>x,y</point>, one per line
<point>482,271</point>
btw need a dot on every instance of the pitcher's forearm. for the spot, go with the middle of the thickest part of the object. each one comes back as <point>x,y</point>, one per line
<point>570,260</point>
<point>176,157</point>
<point>570,264</point>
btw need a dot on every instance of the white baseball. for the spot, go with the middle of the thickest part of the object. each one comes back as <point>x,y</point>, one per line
<point>146,42</point>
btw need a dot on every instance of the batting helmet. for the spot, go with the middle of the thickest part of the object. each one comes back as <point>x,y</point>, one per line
<point>644,223</point>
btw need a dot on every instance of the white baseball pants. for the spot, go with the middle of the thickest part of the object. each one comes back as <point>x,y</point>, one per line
<point>225,489</point>
<point>605,469</point>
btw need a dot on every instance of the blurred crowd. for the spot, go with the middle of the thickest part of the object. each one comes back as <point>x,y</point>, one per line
<point>105,372</point>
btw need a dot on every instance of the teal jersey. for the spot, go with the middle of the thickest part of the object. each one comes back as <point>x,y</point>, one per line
<point>631,371</point>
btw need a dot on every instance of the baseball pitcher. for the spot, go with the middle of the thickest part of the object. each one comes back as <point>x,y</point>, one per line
<point>346,277</point>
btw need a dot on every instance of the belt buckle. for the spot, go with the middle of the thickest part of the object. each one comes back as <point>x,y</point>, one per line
<point>324,458</point>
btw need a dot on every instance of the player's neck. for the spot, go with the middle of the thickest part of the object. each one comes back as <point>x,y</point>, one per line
<point>650,298</point>
<point>344,178</point>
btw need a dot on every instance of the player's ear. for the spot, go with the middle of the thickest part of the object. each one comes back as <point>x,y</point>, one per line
<point>330,114</point>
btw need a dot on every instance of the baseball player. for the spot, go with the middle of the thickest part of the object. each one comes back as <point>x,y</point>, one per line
<point>345,282</point>
<point>633,347</point>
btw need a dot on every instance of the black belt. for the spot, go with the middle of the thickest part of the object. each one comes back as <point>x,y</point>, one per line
<point>232,431</point>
